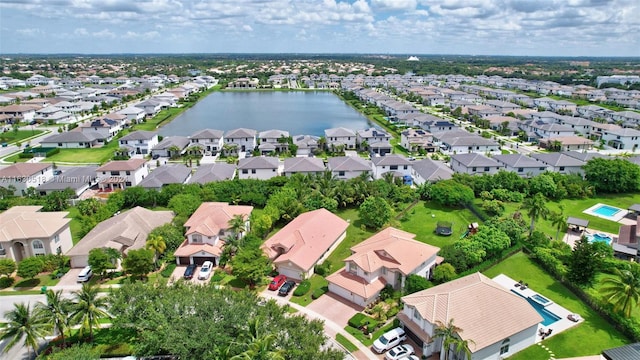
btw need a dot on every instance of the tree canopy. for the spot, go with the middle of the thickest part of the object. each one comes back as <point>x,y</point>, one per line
<point>612,176</point>
<point>375,212</point>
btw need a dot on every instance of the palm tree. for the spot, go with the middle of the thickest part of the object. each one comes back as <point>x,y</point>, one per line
<point>157,244</point>
<point>88,308</point>
<point>24,322</point>
<point>536,208</point>
<point>237,226</point>
<point>57,309</point>
<point>259,346</point>
<point>623,291</point>
<point>450,339</point>
<point>558,220</point>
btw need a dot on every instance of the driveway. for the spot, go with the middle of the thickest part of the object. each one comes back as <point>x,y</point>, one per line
<point>179,272</point>
<point>335,308</point>
<point>70,278</point>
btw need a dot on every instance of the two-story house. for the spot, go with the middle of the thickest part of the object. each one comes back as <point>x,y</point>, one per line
<point>121,174</point>
<point>105,128</point>
<point>368,137</point>
<point>211,140</point>
<point>206,231</point>
<point>273,141</point>
<point>141,142</point>
<point>520,164</point>
<point>385,258</point>
<point>473,164</point>
<point>622,138</point>
<point>134,114</point>
<point>303,165</point>
<point>340,137</point>
<point>259,167</point>
<point>400,166</point>
<point>560,163</point>
<point>240,140</point>
<point>349,167</point>
<point>416,140</point>
<point>25,175</point>
<point>26,232</point>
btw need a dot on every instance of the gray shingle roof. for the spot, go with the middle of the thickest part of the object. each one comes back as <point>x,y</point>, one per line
<point>240,133</point>
<point>432,170</point>
<point>169,141</point>
<point>258,162</point>
<point>74,178</point>
<point>627,352</point>
<point>517,160</point>
<point>207,134</point>
<point>303,164</point>
<point>139,135</point>
<point>557,159</point>
<point>390,160</point>
<point>338,132</point>
<point>71,136</point>
<point>168,174</point>
<point>348,163</point>
<point>213,172</point>
<point>473,159</point>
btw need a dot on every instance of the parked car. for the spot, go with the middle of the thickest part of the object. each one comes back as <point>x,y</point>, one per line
<point>205,270</point>
<point>389,339</point>
<point>413,357</point>
<point>286,288</point>
<point>85,275</point>
<point>277,282</point>
<point>155,157</point>
<point>399,352</point>
<point>188,273</point>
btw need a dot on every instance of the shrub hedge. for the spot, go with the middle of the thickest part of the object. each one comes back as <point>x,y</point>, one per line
<point>303,288</point>
<point>319,292</point>
<point>5,282</point>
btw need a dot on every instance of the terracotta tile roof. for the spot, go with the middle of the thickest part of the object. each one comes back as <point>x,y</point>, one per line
<point>122,165</point>
<point>212,217</point>
<point>356,284</point>
<point>391,248</point>
<point>484,310</point>
<point>187,249</point>
<point>306,238</point>
<point>22,169</point>
<point>27,222</point>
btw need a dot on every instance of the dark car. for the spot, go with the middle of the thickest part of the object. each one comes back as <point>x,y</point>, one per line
<point>188,273</point>
<point>156,157</point>
<point>286,288</point>
<point>277,282</point>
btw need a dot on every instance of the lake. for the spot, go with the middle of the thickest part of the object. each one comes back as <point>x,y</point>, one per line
<point>298,112</point>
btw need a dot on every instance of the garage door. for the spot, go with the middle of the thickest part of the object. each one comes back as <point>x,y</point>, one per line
<point>184,260</point>
<point>79,261</point>
<point>289,273</point>
<point>199,260</point>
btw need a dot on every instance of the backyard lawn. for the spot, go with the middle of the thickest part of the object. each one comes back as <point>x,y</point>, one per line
<point>13,136</point>
<point>97,155</point>
<point>589,338</point>
<point>355,235</point>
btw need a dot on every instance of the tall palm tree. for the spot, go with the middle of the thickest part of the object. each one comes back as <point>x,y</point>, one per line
<point>237,225</point>
<point>157,244</point>
<point>623,291</point>
<point>88,308</point>
<point>24,322</point>
<point>450,339</point>
<point>259,346</point>
<point>57,310</point>
<point>536,207</point>
<point>558,220</point>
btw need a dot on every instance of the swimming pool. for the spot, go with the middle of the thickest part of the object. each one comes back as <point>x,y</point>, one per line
<point>606,210</point>
<point>541,300</point>
<point>548,317</point>
<point>597,237</point>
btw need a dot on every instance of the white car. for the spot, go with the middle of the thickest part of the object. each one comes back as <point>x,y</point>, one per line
<point>205,270</point>
<point>399,352</point>
<point>389,339</point>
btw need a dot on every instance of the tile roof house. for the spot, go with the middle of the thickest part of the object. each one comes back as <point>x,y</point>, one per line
<point>340,137</point>
<point>121,174</point>
<point>522,165</point>
<point>206,173</point>
<point>211,140</point>
<point>561,163</point>
<point>349,167</point>
<point>259,167</point>
<point>125,231</point>
<point>499,322</point>
<point>25,175</point>
<point>77,178</point>
<point>206,230</point>
<point>141,142</point>
<point>303,165</point>
<point>305,242</point>
<point>167,174</point>
<point>26,232</point>
<point>474,164</point>
<point>427,170</point>
<point>385,258</point>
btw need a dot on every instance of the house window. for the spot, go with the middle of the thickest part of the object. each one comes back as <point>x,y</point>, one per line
<point>253,171</point>
<point>353,268</point>
<point>115,173</point>
<point>561,168</point>
<point>128,183</point>
<point>197,238</point>
<point>245,171</point>
<point>405,167</point>
<point>56,239</point>
<point>416,314</point>
<point>393,167</point>
<point>340,173</point>
<point>37,244</point>
<point>504,348</point>
<point>541,169</point>
<point>486,168</point>
<point>59,144</point>
<point>384,270</point>
<point>473,169</point>
<point>58,250</point>
<point>128,172</point>
<point>520,170</point>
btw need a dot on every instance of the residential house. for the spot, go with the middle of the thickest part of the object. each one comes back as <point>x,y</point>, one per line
<point>578,124</point>
<point>166,174</point>
<point>622,138</point>
<point>206,231</point>
<point>427,170</point>
<point>26,232</point>
<point>24,113</point>
<point>460,141</point>
<point>71,140</point>
<point>560,163</point>
<point>504,124</point>
<point>207,173</point>
<point>121,174</point>
<point>592,112</point>
<point>171,146</point>
<point>123,232</point>
<point>303,165</point>
<point>340,137</point>
<point>474,164</point>
<point>483,111</point>
<point>398,165</point>
<point>416,140</point>
<point>504,107</point>
<point>106,129</point>
<point>135,115</point>
<point>273,141</point>
<point>77,178</point>
<point>625,246</point>
<point>211,140</point>
<point>140,141</point>
<point>586,156</point>
<point>368,137</point>
<point>437,125</point>
<point>152,107</point>
<point>240,140</point>
<point>522,165</point>
<point>307,144</point>
<point>626,117</point>
<point>25,175</point>
<point>543,129</point>
<point>566,143</point>
<point>349,167</point>
<point>305,242</point>
<point>259,167</point>
<point>386,258</point>
<point>496,322</point>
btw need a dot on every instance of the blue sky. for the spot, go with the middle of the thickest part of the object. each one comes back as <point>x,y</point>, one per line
<point>472,27</point>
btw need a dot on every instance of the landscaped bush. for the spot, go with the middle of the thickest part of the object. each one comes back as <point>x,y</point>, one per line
<point>359,320</point>
<point>168,270</point>
<point>217,277</point>
<point>319,292</point>
<point>5,282</point>
<point>303,288</point>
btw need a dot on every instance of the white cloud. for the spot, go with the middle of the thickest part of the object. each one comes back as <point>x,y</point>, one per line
<point>395,4</point>
<point>247,27</point>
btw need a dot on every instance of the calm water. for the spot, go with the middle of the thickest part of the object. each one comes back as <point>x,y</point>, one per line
<point>300,113</point>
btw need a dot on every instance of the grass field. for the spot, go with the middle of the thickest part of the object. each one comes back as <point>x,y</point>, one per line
<point>588,338</point>
<point>12,136</point>
<point>355,235</point>
<point>346,343</point>
<point>317,281</point>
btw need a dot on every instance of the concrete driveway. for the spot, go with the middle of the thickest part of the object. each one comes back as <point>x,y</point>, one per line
<point>335,308</point>
<point>179,272</point>
<point>70,278</point>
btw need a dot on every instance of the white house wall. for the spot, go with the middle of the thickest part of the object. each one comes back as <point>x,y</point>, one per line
<point>517,342</point>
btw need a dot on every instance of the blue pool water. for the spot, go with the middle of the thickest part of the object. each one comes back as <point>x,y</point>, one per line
<point>541,300</point>
<point>606,210</point>
<point>548,317</point>
<point>599,238</point>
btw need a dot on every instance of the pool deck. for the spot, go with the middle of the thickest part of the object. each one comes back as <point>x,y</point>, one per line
<point>571,236</point>
<point>616,217</point>
<point>558,326</point>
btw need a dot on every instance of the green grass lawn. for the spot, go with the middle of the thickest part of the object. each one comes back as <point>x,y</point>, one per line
<point>317,281</point>
<point>346,343</point>
<point>368,340</point>
<point>420,221</point>
<point>38,281</point>
<point>595,292</point>
<point>355,235</point>
<point>588,338</point>
<point>96,155</point>
<point>75,226</point>
<point>12,136</point>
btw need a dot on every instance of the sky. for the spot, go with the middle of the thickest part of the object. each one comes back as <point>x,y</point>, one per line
<point>468,27</point>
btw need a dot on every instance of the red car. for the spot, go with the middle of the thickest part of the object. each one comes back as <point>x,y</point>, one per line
<point>277,282</point>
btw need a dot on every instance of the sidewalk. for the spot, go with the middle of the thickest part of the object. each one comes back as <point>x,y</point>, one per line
<point>331,328</point>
